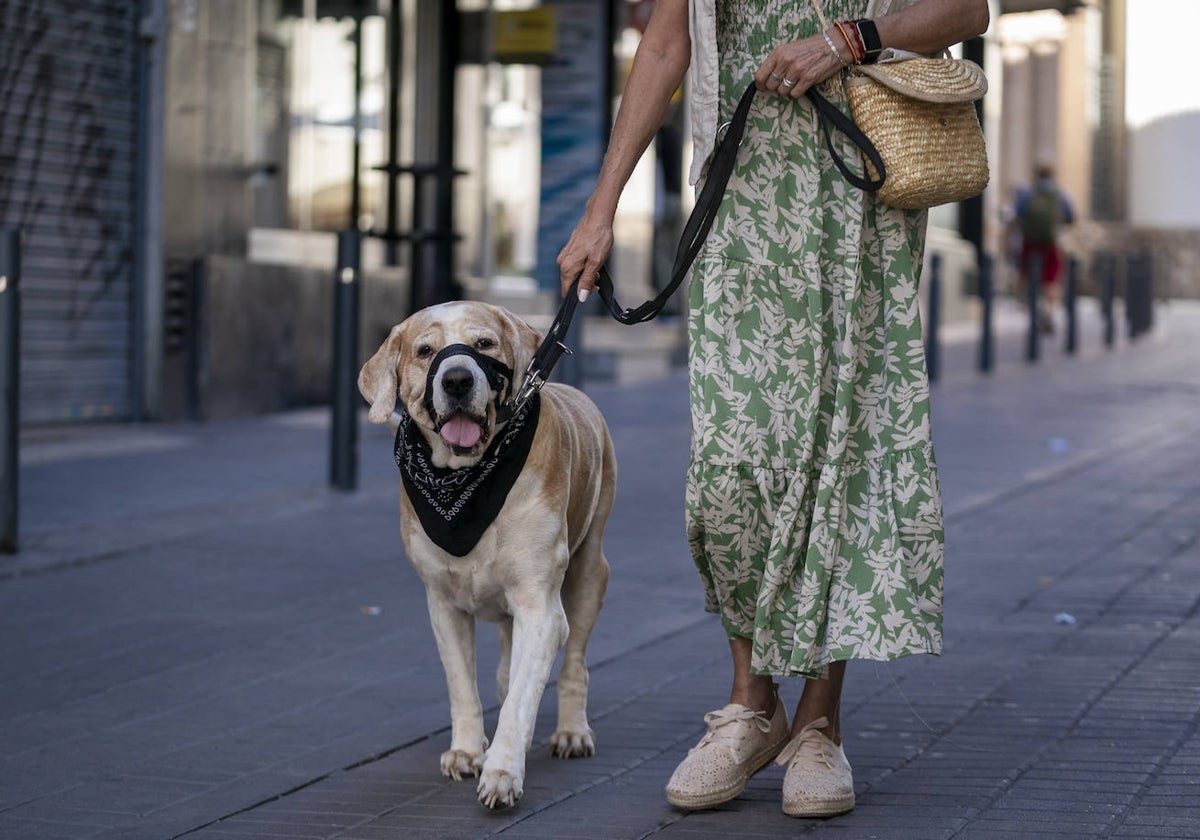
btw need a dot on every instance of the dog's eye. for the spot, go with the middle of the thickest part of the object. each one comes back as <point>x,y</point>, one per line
<point>424,351</point>
<point>484,344</point>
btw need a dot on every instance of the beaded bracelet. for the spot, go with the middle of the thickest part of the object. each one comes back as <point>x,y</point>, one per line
<point>836,54</point>
<point>858,42</point>
<point>849,43</point>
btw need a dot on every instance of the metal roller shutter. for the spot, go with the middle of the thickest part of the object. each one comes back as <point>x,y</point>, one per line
<point>68,169</point>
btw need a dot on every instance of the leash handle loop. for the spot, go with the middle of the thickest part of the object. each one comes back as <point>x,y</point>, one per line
<point>699,223</point>
<point>844,124</point>
<point>695,231</point>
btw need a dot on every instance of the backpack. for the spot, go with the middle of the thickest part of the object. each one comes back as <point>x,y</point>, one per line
<point>1039,223</point>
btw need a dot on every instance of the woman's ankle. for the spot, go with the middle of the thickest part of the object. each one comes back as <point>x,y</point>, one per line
<point>759,694</point>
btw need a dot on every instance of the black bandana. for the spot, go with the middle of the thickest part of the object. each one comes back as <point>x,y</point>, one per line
<point>456,506</point>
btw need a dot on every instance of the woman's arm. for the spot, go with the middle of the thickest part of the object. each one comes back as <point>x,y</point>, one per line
<point>928,26</point>
<point>933,25</point>
<point>658,68</point>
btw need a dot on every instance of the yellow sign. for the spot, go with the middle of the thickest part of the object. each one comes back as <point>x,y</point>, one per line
<point>525,36</point>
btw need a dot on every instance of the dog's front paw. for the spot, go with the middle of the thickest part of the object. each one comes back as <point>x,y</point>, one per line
<point>459,763</point>
<point>573,743</point>
<point>500,788</point>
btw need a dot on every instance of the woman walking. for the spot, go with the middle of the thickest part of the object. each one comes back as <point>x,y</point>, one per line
<point>813,508</point>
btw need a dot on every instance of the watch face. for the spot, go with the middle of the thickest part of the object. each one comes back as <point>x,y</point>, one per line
<point>870,36</point>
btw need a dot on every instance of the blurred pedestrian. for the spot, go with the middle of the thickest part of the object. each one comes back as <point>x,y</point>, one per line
<point>1041,209</point>
<point>813,508</point>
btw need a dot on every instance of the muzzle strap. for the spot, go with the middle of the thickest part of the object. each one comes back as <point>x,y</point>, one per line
<point>499,377</point>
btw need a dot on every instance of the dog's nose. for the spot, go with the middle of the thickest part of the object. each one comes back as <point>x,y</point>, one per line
<point>457,382</point>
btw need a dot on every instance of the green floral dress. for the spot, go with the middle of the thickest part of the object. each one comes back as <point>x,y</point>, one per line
<point>813,507</point>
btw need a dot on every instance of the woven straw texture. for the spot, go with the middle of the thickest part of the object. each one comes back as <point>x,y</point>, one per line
<point>931,79</point>
<point>934,153</point>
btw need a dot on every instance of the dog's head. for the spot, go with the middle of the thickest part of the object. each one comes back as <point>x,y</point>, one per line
<point>450,366</point>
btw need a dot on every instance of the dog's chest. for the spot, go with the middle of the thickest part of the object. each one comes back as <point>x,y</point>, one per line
<point>471,583</point>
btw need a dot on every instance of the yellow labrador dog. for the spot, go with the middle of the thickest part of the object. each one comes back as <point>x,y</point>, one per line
<point>502,517</point>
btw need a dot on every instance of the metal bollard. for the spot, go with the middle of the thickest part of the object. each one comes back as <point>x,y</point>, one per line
<point>1070,299</point>
<point>1139,294</point>
<point>343,447</point>
<point>986,295</point>
<point>932,354</point>
<point>1034,281</point>
<point>10,384</point>
<point>1106,266</point>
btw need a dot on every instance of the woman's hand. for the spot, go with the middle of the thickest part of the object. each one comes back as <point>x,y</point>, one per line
<point>585,252</point>
<point>792,68</point>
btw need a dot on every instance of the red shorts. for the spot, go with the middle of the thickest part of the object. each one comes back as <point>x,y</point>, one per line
<point>1050,257</point>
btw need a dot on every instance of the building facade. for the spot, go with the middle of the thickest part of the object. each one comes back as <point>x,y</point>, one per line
<point>178,169</point>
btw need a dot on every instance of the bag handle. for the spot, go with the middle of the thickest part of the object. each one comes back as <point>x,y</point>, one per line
<point>844,124</point>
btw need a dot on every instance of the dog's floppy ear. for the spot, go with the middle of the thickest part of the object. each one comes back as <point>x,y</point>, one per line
<point>525,344</point>
<point>377,380</point>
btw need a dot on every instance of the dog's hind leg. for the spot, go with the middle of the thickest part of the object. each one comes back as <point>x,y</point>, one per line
<point>455,634</point>
<point>505,666</point>
<point>583,594</point>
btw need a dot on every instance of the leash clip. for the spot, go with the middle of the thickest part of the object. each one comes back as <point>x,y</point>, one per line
<point>536,376</point>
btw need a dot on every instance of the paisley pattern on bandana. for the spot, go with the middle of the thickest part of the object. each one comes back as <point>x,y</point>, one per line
<point>456,506</point>
<point>813,506</point>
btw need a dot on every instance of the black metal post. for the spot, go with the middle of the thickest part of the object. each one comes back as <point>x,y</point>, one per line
<point>445,282</point>
<point>1033,281</point>
<point>418,297</point>
<point>343,449</point>
<point>356,157</point>
<point>970,211</point>
<point>196,344</point>
<point>932,351</point>
<point>987,296</point>
<point>1139,294</point>
<point>1070,300</point>
<point>1106,266</point>
<point>395,43</point>
<point>10,384</point>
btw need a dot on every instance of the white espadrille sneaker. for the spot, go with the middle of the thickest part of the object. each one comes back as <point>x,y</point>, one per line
<point>818,782</point>
<point>739,743</point>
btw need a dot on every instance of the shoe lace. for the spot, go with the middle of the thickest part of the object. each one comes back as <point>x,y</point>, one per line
<point>722,718</point>
<point>810,744</point>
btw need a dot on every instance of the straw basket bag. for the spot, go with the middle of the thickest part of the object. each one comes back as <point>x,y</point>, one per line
<point>920,114</point>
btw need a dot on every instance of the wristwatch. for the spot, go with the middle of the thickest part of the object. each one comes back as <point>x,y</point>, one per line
<point>870,38</point>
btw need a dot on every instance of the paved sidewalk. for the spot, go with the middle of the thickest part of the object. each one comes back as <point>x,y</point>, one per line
<point>199,639</point>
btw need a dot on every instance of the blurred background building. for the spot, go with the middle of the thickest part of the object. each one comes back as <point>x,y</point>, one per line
<point>179,170</point>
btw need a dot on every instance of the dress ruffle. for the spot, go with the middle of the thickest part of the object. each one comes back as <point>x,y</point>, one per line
<point>836,562</point>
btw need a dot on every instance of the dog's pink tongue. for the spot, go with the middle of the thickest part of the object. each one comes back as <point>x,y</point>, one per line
<point>461,431</point>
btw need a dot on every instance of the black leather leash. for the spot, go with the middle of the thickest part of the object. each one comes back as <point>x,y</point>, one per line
<point>695,231</point>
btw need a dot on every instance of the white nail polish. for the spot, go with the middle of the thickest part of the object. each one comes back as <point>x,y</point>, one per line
<point>583,295</point>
